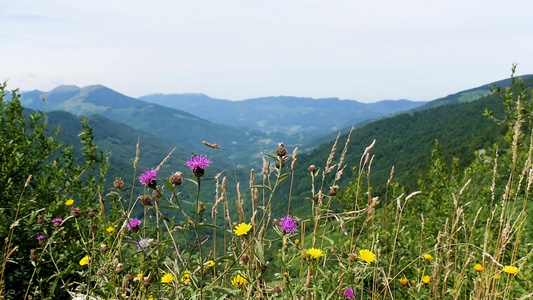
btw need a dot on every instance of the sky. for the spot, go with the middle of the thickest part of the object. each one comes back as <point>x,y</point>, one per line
<point>240,49</point>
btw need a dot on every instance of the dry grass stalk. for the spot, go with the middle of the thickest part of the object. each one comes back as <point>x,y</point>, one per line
<point>164,160</point>
<point>214,146</point>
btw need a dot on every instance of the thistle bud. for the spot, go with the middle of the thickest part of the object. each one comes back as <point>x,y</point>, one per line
<point>119,269</point>
<point>118,184</point>
<point>101,272</point>
<point>176,179</point>
<point>146,200</point>
<point>312,169</point>
<point>40,219</point>
<point>281,151</point>
<point>244,258</point>
<point>146,282</point>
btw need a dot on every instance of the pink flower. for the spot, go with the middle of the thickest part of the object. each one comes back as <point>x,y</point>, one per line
<point>57,222</point>
<point>133,224</point>
<point>197,163</point>
<point>349,294</point>
<point>148,177</point>
<point>288,224</point>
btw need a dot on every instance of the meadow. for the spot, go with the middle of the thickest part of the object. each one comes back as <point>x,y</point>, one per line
<point>464,233</point>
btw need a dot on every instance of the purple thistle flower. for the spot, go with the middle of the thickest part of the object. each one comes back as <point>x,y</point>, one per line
<point>197,163</point>
<point>349,294</point>
<point>57,222</point>
<point>133,224</point>
<point>288,224</point>
<point>75,210</point>
<point>40,238</point>
<point>148,177</point>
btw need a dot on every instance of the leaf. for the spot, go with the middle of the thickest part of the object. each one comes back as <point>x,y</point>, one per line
<point>260,251</point>
<point>208,225</point>
<point>262,187</point>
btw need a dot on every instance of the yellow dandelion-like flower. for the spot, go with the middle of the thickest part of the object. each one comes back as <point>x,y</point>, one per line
<point>186,278</point>
<point>510,270</point>
<point>478,267</point>
<point>404,281</point>
<point>69,202</point>
<point>110,229</point>
<point>242,229</point>
<point>85,260</point>
<point>497,277</point>
<point>239,280</point>
<point>367,256</point>
<point>210,264</point>
<point>167,278</point>
<point>426,279</point>
<point>140,275</point>
<point>304,254</point>
<point>151,298</point>
<point>315,253</point>
<point>428,256</point>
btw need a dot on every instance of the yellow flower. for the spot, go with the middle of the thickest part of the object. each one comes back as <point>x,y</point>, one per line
<point>210,264</point>
<point>69,202</point>
<point>426,279</point>
<point>478,267</point>
<point>151,298</point>
<point>242,229</point>
<point>367,256</point>
<point>404,281</point>
<point>140,275</point>
<point>85,260</point>
<point>497,277</point>
<point>315,253</point>
<point>167,278</point>
<point>428,256</point>
<point>304,254</point>
<point>239,280</point>
<point>510,270</point>
<point>186,277</point>
<point>110,229</point>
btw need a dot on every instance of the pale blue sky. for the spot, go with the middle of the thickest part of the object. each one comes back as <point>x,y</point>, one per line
<point>360,50</point>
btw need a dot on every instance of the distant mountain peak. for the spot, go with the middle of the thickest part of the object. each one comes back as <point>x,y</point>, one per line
<point>65,89</point>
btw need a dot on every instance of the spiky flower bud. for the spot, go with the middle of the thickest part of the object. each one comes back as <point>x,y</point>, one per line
<point>101,272</point>
<point>118,183</point>
<point>119,269</point>
<point>146,200</point>
<point>311,169</point>
<point>281,151</point>
<point>176,179</point>
<point>146,282</point>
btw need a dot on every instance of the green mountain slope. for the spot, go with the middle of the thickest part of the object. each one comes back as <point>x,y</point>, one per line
<point>299,117</point>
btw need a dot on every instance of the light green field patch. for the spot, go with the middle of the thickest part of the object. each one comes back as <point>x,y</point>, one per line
<point>472,96</point>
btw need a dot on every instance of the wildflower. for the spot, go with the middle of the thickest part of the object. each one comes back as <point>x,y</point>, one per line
<point>239,280</point>
<point>281,151</point>
<point>41,239</point>
<point>296,242</point>
<point>349,294</point>
<point>311,169</point>
<point>146,200</point>
<point>288,224</point>
<point>510,270</point>
<point>138,277</point>
<point>85,260</point>
<point>403,281</point>
<point>197,164</point>
<point>242,229</point>
<point>148,177</point>
<point>118,183</point>
<point>428,256</point>
<point>144,245</point>
<point>186,278</point>
<point>69,202</point>
<point>426,279</point>
<point>110,229</point>
<point>57,222</point>
<point>167,278</point>
<point>133,224</point>
<point>304,254</point>
<point>497,277</point>
<point>478,267</point>
<point>76,212</point>
<point>315,253</point>
<point>210,264</point>
<point>367,256</point>
<point>176,179</point>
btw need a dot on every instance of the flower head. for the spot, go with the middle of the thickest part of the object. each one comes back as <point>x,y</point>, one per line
<point>69,202</point>
<point>315,253</point>
<point>210,264</point>
<point>478,267</point>
<point>349,294</point>
<point>186,278</point>
<point>110,229</point>
<point>428,256</point>
<point>367,256</point>
<point>242,229</point>
<point>133,224</point>
<point>288,224</point>
<point>239,280</point>
<point>85,260</point>
<point>57,222</point>
<point>426,279</point>
<point>403,281</point>
<point>40,238</point>
<point>167,278</point>
<point>148,177</point>
<point>138,277</point>
<point>510,270</point>
<point>197,164</point>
